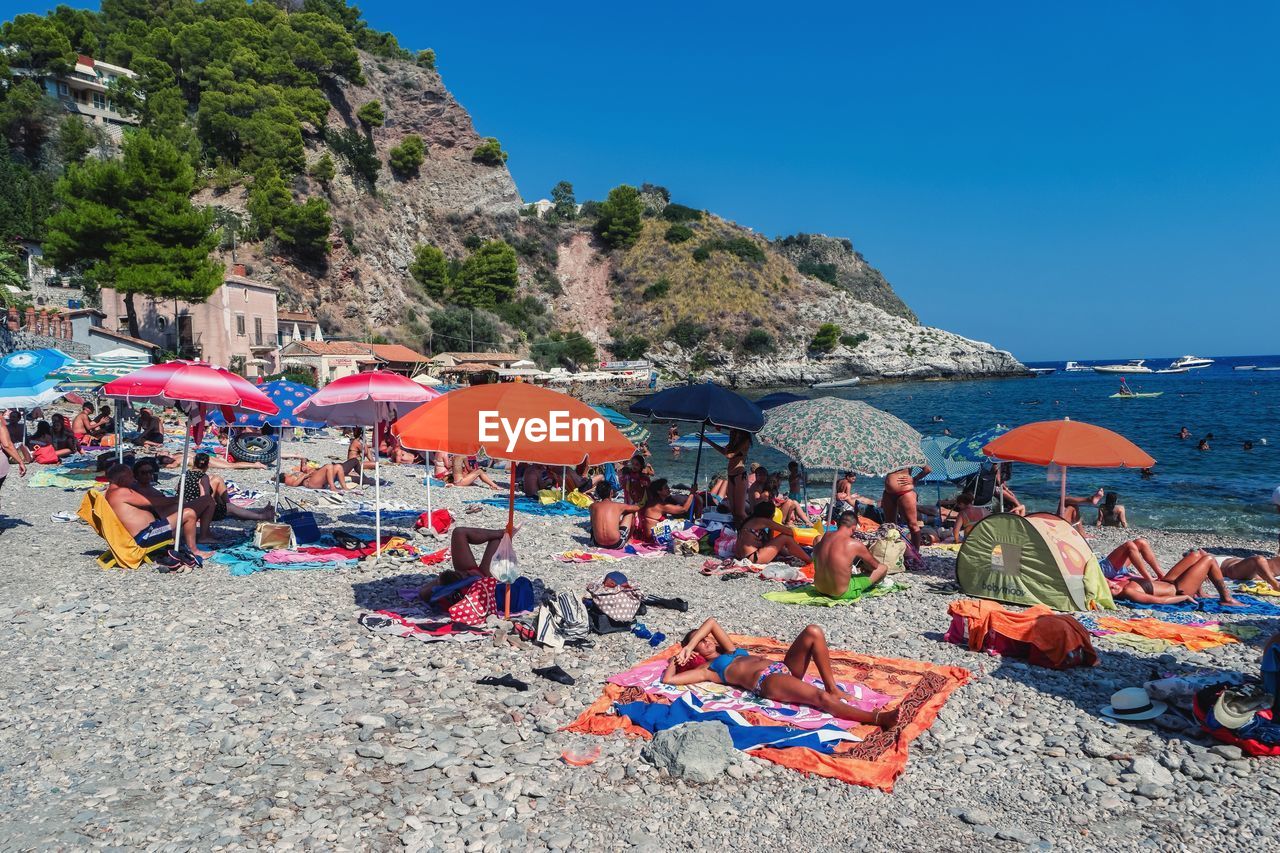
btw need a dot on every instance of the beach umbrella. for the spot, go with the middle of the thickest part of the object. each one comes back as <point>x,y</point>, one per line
<point>631,430</point>
<point>969,448</point>
<point>89,373</point>
<point>517,422</point>
<point>944,469</point>
<point>831,433</point>
<point>1067,444</point>
<point>366,400</point>
<point>24,377</point>
<point>778,398</point>
<point>707,405</point>
<point>194,389</point>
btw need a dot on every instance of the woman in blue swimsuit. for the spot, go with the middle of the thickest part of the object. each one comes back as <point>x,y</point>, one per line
<point>724,663</point>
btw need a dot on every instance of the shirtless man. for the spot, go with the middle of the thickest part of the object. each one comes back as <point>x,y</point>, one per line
<point>846,498</point>
<point>150,431</point>
<point>82,423</point>
<point>610,520</point>
<point>147,521</point>
<point>837,555</point>
<point>899,500</point>
<point>144,476</point>
<point>536,478</point>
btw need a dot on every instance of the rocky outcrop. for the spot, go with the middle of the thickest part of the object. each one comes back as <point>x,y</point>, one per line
<point>834,261</point>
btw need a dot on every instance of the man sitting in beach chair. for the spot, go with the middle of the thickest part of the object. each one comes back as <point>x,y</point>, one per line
<point>122,549</point>
<point>842,566</point>
<point>147,519</point>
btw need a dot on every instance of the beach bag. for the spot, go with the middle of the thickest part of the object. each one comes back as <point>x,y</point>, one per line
<point>684,547</point>
<point>619,603</point>
<point>726,544</point>
<point>476,603</point>
<point>270,535</point>
<point>505,567</point>
<point>891,553</point>
<point>45,455</point>
<point>570,615</point>
<point>440,520</point>
<point>545,633</point>
<point>522,597</point>
<point>306,530</point>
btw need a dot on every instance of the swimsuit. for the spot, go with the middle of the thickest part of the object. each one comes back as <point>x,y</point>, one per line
<point>770,670</point>
<point>154,533</point>
<point>721,663</point>
<point>858,584</point>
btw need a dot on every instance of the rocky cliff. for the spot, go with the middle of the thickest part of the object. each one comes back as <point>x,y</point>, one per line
<point>744,315</point>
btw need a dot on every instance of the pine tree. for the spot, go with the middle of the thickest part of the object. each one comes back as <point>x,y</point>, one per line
<point>371,114</point>
<point>430,269</point>
<point>618,223</point>
<point>131,225</point>
<point>488,276</point>
<point>564,204</point>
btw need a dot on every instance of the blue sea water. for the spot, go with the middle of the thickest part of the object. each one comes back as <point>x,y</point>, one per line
<point>1225,489</point>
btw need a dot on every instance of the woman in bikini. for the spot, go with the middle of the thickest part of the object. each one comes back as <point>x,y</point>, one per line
<point>763,540</point>
<point>357,449</point>
<point>735,453</point>
<point>1110,513</point>
<point>708,654</point>
<point>899,500</point>
<point>658,505</point>
<point>1180,584</point>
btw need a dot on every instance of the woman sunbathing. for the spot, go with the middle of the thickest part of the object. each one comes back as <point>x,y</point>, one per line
<point>763,540</point>
<point>1255,568</point>
<point>329,476</point>
<point>1180,584</point>
<point>708,654</point>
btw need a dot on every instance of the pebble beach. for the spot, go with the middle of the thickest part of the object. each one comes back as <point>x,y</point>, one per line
<point>145,711</point>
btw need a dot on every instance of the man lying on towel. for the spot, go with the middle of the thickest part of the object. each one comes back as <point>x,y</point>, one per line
<point>839,562</point>
<point>707,654</point>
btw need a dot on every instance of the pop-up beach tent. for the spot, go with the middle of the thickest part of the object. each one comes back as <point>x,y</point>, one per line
<point>1039,559</point>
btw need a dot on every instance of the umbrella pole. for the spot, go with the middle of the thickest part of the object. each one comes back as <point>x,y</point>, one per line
<point>377,507</point>
<point>697,464</point>
<point>119,432</point>
<point>279,456</point>
<point>427,455</point>
<point>562,483</point>
<point>831,507</point>
<point>182,479</point>
<point>511,529</point>
<point>1062,494</point>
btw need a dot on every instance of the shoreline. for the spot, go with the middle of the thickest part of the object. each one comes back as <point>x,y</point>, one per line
<point>209,710</point>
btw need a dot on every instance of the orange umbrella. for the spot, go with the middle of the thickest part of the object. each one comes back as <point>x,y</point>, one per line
<point>1068,443</point>
<point>517,422</point>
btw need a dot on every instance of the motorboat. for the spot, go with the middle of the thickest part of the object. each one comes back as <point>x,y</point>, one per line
<point>1245,367</point>
<point>1133,365</point>
<point>837,383</point>
<point>1268,369</point>
<point>1075,366</point>
<point>1127,393</point>
<point>1174,370</point>
<point>1191,362</point>
<point>1042,371</point>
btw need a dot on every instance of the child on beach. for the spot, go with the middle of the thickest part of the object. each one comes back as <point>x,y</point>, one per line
<point>707,654</point>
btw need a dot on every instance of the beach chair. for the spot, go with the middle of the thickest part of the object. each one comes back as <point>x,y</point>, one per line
<point>122,551</point>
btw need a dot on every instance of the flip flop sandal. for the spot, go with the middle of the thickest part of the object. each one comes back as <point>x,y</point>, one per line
<point>556,674</point>
<point>473,509</point>
<point>507,680</point>
<point>64,516</point>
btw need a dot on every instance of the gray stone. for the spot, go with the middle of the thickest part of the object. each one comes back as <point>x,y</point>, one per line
<point>973,817</point>
<point>1227,751</point>
<point>370,750</point>
<point>699,752</point>
<point>1149,770</point>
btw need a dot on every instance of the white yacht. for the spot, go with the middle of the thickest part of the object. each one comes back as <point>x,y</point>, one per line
<point>1191,362</point>
<point>1075,366</point>
<point>1133,365</point>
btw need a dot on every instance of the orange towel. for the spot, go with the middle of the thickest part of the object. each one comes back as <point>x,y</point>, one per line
<point>876,761</point>
<point>1055,635</point>
<point>1196,639</point>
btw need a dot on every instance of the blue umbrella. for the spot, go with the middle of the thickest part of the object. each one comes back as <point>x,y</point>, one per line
<point>944,469</point>
<point>287,396</point>
<point>779,398</point>
<point>24,377</point>
<point>970,449</point>
<point>707,404</point>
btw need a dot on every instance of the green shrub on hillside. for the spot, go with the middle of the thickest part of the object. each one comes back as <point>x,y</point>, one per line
<point>462,329</point>
<point>557,350</point>
<point>820,271</point>
<point>304,229</point>
<point>489,152</point>
<point>852,341</point>
<point>678,233</point>
<point>687,333</point>
<point>680,213</point>
<point>628,347</point>
<point>618,219</point>
<point>430,269</point>
<point>426,59</point>
<point>487,277</point>
<point>528,315</point>
<point>657,290</point>
<point>323,170</point>
<point>826,338</point>
<point>406,157</point>
<point>742,247</point>
<point>371,114</point>
<point>357,151</point>
<point>758,342</point>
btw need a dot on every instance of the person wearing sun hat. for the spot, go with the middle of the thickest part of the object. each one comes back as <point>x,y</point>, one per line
<point>1133,704</point>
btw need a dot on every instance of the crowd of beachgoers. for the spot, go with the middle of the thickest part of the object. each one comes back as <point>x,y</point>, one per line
<point>354,694</point>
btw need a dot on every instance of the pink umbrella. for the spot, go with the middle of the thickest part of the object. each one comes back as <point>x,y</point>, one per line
<point>367,399</point>
<point>193,389</point>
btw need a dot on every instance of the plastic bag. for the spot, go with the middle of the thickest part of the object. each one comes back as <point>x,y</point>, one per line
<point>505,567</point>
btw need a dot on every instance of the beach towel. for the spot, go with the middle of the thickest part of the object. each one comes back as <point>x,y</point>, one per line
<point>1045,638</point>
<point>1254,606</point>
<point>608,555</point>
<point>807,596</point>
<point>245,560</point>
<point>1144,645</point>
<point>918,689</point>
<point>52,478</point>
<point>1257,588</point>
<point>421,626</point>
<point>1196,639</point>
<point>654,717</point>
<point>532,506</point>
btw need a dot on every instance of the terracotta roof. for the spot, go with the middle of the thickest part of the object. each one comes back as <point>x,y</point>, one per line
<point>395,352</point>
<point>231,278</point>
<point>333,348</point>
<point>116,336</point>
<point>473,367</point>
<point>296,316</point>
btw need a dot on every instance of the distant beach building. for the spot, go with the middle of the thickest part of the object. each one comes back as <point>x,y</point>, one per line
<point>330,360</point>
<point>297,326</point>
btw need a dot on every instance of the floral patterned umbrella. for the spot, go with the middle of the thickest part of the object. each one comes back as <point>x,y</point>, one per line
<point>834,434</point>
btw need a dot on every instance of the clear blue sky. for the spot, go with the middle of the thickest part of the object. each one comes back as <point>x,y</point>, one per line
<point>1074,181</point>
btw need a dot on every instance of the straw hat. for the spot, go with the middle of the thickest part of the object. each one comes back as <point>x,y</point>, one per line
<point>1133,703</point>
<point>1236,706</point>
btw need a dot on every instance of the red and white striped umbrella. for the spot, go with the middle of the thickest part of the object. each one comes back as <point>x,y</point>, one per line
<point>192,388</point>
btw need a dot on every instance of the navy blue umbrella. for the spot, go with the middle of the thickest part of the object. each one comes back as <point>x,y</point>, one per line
<point>779,398</point>
<point>705,404</point>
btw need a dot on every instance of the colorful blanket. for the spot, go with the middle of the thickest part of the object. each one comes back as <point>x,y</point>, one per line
<point>532,506</point>
<point>919,690</point>
<point>610,555</point>
<point>53,478</point>
<point>246,560</point>
<point>654,717</point>
<point>809,597</point>
<point>1253,606</point>
<point>1196,639</point>
<point>421,626</point>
